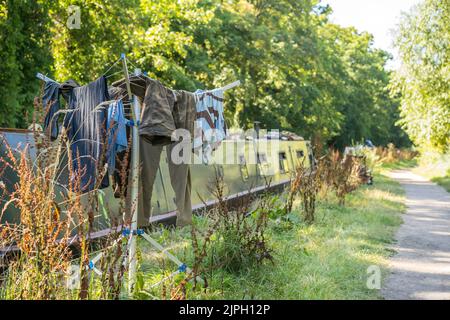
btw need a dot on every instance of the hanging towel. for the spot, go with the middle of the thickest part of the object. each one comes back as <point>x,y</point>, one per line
<point>86,131</point>
<point>210,127</point>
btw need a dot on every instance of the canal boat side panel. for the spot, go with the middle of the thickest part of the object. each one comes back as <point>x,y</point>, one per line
<point>248,165</point>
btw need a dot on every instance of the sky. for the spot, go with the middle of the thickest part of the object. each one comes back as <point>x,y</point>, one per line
<point>379,17</point>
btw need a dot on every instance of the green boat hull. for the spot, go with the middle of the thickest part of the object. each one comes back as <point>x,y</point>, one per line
<point>241,173</point>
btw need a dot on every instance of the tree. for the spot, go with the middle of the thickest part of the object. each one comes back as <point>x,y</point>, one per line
<point>423,40</point>
<point>299,72</point>
<point>23,51</point>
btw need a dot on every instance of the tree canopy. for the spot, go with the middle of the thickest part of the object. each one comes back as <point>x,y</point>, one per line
<point>423,80</point>
<point>299,71</point>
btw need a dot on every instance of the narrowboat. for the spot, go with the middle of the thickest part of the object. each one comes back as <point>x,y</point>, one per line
<point>246,165</point>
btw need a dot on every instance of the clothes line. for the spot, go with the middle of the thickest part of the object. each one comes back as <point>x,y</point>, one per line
<point>231,85</point>
<point>139,73</point>
<point>44,78</point>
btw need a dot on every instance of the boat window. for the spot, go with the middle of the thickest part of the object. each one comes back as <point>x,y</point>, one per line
<point>243,168</point>
<point>283,162</point>
<point>263,166</point>
<point>262,158</point>
<point>242,160</point>
<point>311,160</point>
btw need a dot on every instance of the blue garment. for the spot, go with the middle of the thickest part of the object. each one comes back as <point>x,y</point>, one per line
<point>86,131</point>
<point>117,133</point>
<point>51,101</point>
<point>51,104</point>
<point>369,144</point>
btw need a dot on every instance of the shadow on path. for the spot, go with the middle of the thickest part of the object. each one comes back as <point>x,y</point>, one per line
<point>421,267</point>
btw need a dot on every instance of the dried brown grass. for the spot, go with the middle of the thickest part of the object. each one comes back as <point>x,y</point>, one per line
<point>54,233</point>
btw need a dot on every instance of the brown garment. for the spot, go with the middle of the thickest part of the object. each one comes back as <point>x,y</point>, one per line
<point>184,111</point>
<point>164,110</point>
<point>180,179</point>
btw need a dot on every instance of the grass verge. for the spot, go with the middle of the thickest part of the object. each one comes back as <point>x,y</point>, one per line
<point>437,170</point>
<point>443,181</point>
<point>399,165</point>
<point>326,260</point>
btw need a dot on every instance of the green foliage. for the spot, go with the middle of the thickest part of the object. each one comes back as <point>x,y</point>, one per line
<point>24,51</point>
<point>435,167</point>
<point>424,43</point>
<point>299,72</point>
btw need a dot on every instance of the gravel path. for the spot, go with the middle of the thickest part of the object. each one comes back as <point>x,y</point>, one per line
<point>421,267</point>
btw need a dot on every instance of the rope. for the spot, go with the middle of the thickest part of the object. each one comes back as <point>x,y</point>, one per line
<point>112,66</point>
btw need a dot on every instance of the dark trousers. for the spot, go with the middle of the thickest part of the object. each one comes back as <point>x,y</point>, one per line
<point>180,178</point>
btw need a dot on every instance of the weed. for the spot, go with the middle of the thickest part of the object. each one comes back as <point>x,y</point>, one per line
<point>344,174</point>
<point>56,223</point>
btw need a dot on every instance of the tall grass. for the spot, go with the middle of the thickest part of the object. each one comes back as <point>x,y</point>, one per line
<point>324,260</point>
<point>392,154</point>
<point>51,247</point>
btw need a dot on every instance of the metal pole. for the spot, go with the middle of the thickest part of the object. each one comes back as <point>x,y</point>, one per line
<point>134,198</point>
<point>135,180</point>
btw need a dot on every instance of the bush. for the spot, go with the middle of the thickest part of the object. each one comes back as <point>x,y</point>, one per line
<point>391,154</point>
<point>307,184</point>
<point>343,174</point>
<point>237,238</point>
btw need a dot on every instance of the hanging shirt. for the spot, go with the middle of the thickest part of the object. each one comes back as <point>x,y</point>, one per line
<point>86,131</point>
<point>210,127</point>
<point>117,133</point>
<point>51,103</point>
<point>164,110</point>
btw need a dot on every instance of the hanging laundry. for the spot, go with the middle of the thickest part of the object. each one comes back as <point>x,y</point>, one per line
<point>51,103</point>
<point>86,131</point>
<point>210,126</point>
<point>119,181</point>
<point>164,110</point>
<point>180,179</point>
<point>184,111</point>
<point>117,133</point>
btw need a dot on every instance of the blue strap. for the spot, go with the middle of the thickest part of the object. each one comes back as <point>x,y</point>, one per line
<point>91,265</point>
<point>138,232</point>
<point>127,232</point>
<point>182,268</point>
<point>130,123</point>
